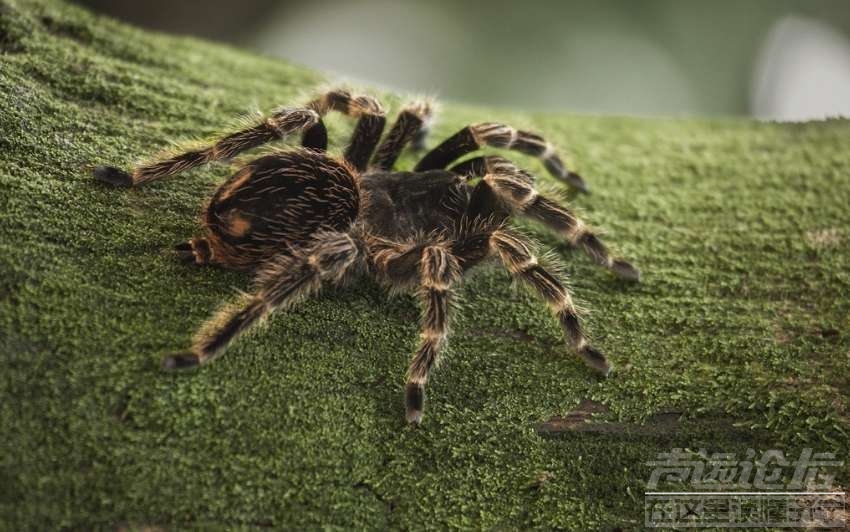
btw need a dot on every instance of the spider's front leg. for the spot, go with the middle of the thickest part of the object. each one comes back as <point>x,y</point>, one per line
<point>283,122</point>
<point>282,282</point>
<point>410,126</point>
<point>515,188</point>
<point>438,270</point>
<point>518,259</point>
<point>476,136</point>
<point>367,131</point>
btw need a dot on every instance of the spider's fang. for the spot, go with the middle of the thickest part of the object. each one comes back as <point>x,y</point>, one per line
<point>184,251</point>
<point>113,176</point>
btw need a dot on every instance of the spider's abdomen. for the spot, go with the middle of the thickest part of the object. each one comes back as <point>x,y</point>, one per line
<point>276,203</point>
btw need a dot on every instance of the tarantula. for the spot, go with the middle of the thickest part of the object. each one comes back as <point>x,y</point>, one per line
<point>301,218</point>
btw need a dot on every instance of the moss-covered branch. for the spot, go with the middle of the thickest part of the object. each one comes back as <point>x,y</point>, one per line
<point>741,323</point>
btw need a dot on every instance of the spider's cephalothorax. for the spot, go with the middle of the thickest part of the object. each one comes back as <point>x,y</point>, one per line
<point>300,218</point>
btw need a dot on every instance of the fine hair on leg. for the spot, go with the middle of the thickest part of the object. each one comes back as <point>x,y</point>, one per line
<point>476,136</point>
<point>579,234</point>
<point>523,265</point>
<point>439,270</point>
<point>412,120</point>
<point>435,269</point>
<point>516,189</point>
<point>283,281</point>
<point>280,124</point>
<point>367,131</point>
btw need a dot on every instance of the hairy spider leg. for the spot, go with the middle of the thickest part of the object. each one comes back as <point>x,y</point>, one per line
<point>523,265</point>
<point>281,123</point>
<point>439,270</point>
<point>367,131</point>
<point>515,188</point>
<point>281,283</point>
<point>441,265</point>
<point>476,136</point>
<point>484,235</point>
<point>435,269</point>
<point>410,126</point>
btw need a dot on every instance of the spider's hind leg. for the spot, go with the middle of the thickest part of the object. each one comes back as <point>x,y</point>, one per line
<point>282,282</point>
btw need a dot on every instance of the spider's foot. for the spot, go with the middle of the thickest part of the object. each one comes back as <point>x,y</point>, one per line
<point>596,360</point>
<point>186,359</point>
<point>576,181</point>
<point>113,176</point>
<point>414,399</point>
<point>625,271</point>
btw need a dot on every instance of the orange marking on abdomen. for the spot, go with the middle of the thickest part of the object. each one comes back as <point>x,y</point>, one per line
<point>237,223</point>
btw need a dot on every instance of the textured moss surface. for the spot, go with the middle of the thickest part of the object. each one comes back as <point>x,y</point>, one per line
<point>741,323</point>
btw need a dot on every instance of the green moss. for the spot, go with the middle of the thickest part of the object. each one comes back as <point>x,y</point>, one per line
<point>741,230</point>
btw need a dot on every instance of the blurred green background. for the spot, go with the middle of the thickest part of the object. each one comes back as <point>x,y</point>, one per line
<point>773,59</point>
